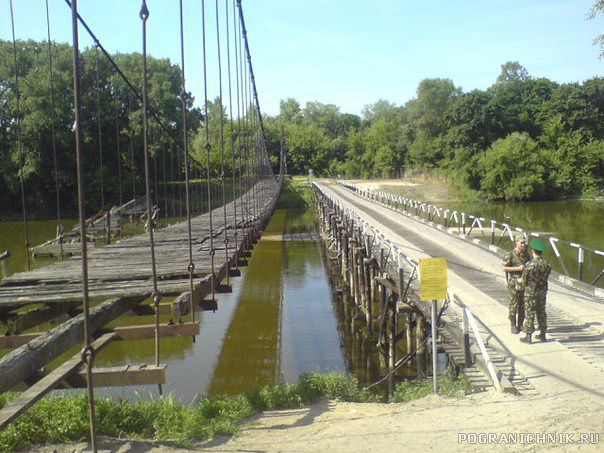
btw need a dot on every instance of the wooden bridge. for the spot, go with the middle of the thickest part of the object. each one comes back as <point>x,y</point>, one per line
<point>378,245</point>
<point>119,278</point>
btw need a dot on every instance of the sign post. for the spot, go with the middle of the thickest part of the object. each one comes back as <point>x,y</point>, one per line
<point>433,286</point>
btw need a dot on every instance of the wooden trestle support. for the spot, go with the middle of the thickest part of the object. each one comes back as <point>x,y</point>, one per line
<point>382,286</point>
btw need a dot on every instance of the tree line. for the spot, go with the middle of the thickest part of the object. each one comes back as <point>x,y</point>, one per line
<point>111,128</point>
<point>523,138</point>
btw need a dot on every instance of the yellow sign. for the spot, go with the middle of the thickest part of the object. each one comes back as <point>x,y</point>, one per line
<point>433,278</point>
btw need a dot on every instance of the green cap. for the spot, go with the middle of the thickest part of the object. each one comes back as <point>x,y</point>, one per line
<point>519,237</point>
<point>539,245</point>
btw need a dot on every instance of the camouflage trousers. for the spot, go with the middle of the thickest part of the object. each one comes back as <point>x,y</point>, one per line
<point>516,307</point>
<point>535,305</point>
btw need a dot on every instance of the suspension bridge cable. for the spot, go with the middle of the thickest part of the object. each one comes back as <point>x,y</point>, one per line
<point>154,114</point>
<point>53,134</point>
<point>19,141</point>
<point>88,351</point>
<point>222,160</point>
<point>164,175</point>
<point>144,16</point>
<point>208,146</point>
<point>117,145</point>
<point>131,144</point>
<point>241,169</point>
<point>99,126</point>
<point>184,97</point>
<point>232,138</point>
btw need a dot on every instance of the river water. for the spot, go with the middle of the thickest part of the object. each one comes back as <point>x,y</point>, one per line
<point>578,221</point>
<point>282,319</point>
<point>285,315</point>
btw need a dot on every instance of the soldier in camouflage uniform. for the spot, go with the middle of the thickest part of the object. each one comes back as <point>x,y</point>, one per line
<point>513,265</point>
<point>534,280</point>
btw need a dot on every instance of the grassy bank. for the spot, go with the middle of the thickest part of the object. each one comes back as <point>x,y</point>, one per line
<point>296,194</point>
<point>62,419</point>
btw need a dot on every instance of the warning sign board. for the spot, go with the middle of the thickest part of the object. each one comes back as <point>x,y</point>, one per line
<point>432,278</point>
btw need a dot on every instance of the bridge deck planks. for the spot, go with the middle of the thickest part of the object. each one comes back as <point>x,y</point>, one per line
<point>124,268</point>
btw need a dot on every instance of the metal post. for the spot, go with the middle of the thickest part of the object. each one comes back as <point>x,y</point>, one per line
<point>466,340</point>
<point>3,257</point>
<point>580,259</point>
<point>434,356</point>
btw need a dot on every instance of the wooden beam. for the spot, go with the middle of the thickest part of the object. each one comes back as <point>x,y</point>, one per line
<point>19,322</point>
<point>25,360</point>
<point>165,330</point>
<point>114,376</point>
<point>28,398</point>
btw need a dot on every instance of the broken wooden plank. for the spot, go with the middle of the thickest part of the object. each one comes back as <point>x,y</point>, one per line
<point>28,398</point>
<point>17,365</point>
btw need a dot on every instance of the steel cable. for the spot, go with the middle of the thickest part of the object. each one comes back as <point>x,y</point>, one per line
<point>87,352</point>
<point>53,134</point>
<point>19,141</point>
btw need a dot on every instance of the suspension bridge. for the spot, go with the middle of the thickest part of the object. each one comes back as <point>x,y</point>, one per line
<point>196,216</point>
<point>164,249</point>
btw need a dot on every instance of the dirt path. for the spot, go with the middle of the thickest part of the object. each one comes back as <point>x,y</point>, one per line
<point>432,423</point>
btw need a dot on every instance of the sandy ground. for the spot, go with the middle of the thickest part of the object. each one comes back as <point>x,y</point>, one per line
<point>430,189</point>
<point>432,423</point>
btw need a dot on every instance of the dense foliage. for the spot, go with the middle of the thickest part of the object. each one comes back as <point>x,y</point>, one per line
<point>105,97</point>
<point>521,139</point>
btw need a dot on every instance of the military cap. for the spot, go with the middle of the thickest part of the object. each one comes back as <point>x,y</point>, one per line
<point>539,245</point>
<point>519,237</point>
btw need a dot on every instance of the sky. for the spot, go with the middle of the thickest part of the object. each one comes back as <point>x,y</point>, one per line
<point>350,53</point>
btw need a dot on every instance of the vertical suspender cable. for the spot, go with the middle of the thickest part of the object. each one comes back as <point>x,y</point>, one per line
<point>19,141</point>
<point>208,146</point>
<point>164,176</point>
<point>117,145</point>
<point>88,351</point>
<point>222,161</point>
<point>53,135</point>
<point>144,15</point>
<point>184,97</point>
<point>243,136</point>
<point>232,137</point>
<point>242,193</point>
<point>132,162</point>
<point>99,126</point>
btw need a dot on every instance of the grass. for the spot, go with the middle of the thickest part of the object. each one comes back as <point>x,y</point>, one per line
<point>295,195</point>
<point>64,418</point>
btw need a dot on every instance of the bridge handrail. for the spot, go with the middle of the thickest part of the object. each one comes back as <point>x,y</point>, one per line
<point>392,200</point>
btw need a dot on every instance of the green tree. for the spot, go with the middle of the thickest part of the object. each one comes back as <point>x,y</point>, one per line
<point>514,168</point>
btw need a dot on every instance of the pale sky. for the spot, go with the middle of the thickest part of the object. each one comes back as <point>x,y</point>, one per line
<point>347,52</point>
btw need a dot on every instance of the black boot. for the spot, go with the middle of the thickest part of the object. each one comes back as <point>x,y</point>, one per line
<point>526,338</point>
<point>542,336</point>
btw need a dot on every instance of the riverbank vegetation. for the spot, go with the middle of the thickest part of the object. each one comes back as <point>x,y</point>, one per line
<point>62,419</point>
<point>523,138</point>
<point>296,194</point>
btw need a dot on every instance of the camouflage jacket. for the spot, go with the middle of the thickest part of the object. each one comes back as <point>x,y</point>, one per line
<point>535,275</point>
<point>515,259</point>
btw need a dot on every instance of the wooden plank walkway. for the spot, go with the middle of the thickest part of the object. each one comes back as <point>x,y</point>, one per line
<point>124,268</point>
